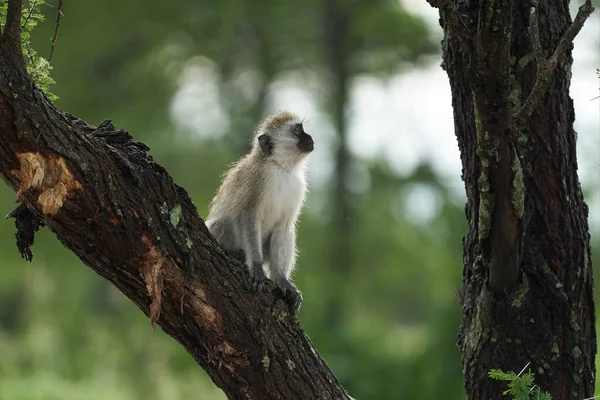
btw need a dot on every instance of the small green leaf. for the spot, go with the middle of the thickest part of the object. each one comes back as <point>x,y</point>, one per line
<point>519,387</point>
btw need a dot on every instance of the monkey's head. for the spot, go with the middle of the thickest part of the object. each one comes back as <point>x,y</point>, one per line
<point>281,138</point>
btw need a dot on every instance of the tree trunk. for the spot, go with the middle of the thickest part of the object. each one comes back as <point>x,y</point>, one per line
<point>123,215</point>
<point>528,291</point>
<point>337,54</point>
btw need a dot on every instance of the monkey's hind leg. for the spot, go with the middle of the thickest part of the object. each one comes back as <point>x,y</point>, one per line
<point>250,233</point>
<point>222,230</point>
<point>238,254</point>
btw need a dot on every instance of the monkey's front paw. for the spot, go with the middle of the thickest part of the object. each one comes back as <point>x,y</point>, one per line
<point>257,283</point>
<point>257,278</point>
<point>290,293</point>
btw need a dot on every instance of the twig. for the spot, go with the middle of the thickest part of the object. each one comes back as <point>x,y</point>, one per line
<point>29,14</point>
<point>58,15</point>
<point>524,368</point>
<point>546,68</point>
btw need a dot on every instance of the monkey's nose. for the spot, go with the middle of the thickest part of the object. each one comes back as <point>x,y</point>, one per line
<point>306,144</point>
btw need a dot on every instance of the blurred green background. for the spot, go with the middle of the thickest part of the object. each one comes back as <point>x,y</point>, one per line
<point>380,237</point>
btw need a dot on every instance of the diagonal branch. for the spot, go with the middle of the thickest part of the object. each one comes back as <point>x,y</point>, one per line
<point>546,68</point>
<point>124,217</point>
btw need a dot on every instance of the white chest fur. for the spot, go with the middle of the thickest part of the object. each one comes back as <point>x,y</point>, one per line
<point>284,194</point>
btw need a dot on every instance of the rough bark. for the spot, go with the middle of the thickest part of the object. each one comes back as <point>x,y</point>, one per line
<point>528,284</point>
<point>124,217</point>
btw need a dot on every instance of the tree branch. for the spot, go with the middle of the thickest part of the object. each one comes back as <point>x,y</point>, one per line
<point>57,25</point>
<point>124,217</point>
<point>546,68</point>
<point>11,37</point>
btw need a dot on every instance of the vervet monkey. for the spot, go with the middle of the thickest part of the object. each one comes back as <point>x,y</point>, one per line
<point>256,207</point>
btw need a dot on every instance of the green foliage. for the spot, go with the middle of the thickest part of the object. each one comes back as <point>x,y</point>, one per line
<point>520,387</point>
<point>37,66</point>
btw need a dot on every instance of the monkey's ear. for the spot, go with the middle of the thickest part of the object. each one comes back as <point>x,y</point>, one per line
<point>266,144</point>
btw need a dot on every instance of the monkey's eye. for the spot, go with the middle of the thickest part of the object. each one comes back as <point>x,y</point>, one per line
<point>297,130</point>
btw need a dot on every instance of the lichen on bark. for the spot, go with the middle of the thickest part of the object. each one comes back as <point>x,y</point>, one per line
<point>486,152</point>
<point>518,188</point>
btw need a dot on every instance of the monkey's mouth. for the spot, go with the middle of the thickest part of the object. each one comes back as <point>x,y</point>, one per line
<point>306,144</point>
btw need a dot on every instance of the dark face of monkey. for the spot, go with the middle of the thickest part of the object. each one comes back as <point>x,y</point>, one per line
<point>305,142</point>
<point>286,145</point>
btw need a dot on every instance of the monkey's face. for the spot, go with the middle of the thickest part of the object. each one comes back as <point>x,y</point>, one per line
<point>304,142</point>
<point>287,145</point>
